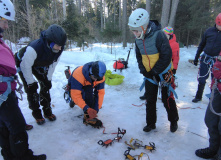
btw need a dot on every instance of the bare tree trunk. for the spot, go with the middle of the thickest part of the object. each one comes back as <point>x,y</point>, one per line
<point>56,12</point>
<point>102,20</point>
<point>28,18</point>
<point>148,6</point>
<point>114,12</point>
<point>104,14</point>
<point>187,41</point>
<point>120,15</point>
<point>165,13</point>
<point>79,7</point>
<point>124,23</point>
<point>173,12</point>
<point>64,9</point>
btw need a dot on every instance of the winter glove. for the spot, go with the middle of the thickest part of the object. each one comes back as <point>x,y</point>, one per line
<point>174,71</point>
<point>92,113</point>
<point>32,88</point>
<point>195,62</point>
<point>147,74</point>
<point>48,84</point>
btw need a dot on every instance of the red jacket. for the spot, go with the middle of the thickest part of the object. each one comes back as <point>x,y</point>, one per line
<point>175,51</point>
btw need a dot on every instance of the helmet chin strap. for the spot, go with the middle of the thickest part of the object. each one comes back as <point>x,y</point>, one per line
<point>142,33</point>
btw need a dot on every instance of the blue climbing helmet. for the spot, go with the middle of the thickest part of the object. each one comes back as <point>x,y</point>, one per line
<point>98,70</point>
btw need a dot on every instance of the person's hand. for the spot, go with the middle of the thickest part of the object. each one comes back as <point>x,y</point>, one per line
<point>147,74</point>
<point>92,113</point>
<point>48,84</point>
<point>174,71</point>
<point>32,88</point>
<point>195,62</point>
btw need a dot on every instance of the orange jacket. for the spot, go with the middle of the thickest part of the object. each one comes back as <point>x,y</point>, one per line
<point>175,51</point>
<point>80,78</point>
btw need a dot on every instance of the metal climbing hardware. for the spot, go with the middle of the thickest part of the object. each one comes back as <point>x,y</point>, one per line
<point>130,157</point>
<point>135,144</point>
<point>109,142</point>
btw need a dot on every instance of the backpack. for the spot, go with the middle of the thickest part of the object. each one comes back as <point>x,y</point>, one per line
<point>217,72</point>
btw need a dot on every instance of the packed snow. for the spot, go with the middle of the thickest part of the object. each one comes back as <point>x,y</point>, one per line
<point>68,138</point>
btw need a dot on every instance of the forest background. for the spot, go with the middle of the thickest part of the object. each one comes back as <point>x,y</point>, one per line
<point>105,21</point>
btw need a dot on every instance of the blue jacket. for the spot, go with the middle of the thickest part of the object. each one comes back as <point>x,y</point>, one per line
<point>210,43</point>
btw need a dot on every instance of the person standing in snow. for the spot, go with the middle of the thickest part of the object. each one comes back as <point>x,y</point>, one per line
<point>174,46</point>
<point>210,45</point>
<point>87,90</point>
<point>213,116</point>
<point>13,135</point>
<point>154,57</point>
<point>39,59</point>
<point>175,51</point>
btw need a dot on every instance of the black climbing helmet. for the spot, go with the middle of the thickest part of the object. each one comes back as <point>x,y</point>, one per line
<point>56,34</point>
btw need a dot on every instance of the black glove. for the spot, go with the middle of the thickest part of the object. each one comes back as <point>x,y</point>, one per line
<point>147,74</point>
<point>32,88</point>
<point>174,71</point>
<point>195,62</point>
<point>48,84</point>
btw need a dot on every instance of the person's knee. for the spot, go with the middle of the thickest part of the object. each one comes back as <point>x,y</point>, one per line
<point>4,137</point>
<point>19,144</point>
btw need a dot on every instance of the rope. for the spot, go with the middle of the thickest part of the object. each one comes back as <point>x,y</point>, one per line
<point>138,105</point>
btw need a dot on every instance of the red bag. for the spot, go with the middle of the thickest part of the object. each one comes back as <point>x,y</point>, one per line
<point>118,65</point>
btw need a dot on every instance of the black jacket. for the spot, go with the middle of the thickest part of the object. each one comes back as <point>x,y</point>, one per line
<point>210,43</point>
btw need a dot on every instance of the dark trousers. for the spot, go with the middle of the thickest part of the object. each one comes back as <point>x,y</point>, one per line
<point>168,101</point>
<point>45,98</point>
<point>213,123</point>
<point>205,68</point>
<point>13,136</point>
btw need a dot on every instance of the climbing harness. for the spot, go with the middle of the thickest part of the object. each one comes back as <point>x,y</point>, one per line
<point>209,60</point>
<point>136,143</point>
<point>212,97</point>
<point>164,81</point>
<point>109,142</point>
<point>8,80</point>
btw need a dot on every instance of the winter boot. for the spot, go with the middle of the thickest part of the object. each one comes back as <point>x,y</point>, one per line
<point>96,123</point>
<point>38,116</point>
<point>28,127</point>
<point>40,157</point>
<point>173,126</point>
<point>217,157</point>
<point>143,97</point>
<point>71,104</point>
<point>199,93</point>
<point>48,114</point>
<point>148,128</point>
<point>205,153</point>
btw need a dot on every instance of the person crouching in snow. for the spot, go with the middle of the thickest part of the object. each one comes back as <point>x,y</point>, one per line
<point>213,116</point>
<point>87,90</point>
<point>39,59</point>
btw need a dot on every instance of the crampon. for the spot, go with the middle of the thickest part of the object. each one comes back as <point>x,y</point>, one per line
<point>94,122</point>
<point>134,144</point>
<point>130,157</point>
<point>109,142</point>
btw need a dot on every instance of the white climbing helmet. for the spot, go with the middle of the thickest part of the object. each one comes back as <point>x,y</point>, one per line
<point>7,10</point>
<point>139,20</point>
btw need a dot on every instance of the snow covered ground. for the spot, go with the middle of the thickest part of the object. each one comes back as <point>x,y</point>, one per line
<point>69,139</point>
